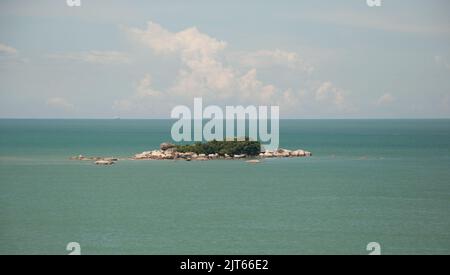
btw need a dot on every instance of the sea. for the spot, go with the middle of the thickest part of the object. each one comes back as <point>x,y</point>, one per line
<point>382,181</point>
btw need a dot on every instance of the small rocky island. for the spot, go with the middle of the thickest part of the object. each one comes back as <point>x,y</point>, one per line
<point>211,150</point>
<point>97,160</point>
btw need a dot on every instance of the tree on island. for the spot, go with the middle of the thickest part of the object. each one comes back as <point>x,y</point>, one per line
<point>233,147</point>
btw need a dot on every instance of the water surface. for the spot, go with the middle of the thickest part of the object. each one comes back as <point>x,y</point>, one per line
<point>369,180</point>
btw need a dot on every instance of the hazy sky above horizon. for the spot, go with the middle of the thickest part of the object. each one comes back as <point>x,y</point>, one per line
<point>138,59</point>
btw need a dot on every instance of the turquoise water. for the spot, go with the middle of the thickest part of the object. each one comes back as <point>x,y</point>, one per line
<point>385,181</point>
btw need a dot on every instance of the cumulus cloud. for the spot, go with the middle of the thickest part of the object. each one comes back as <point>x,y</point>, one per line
<point>146,99</point>
<point>145,89</point>
<point>59,103</point>
<point>268,58</point>
<point>328,92</point>
<point>94,57</point>
<point>7,50</point>
<point>204,72</point>
<point>191,44</point>
<point>252,88</point>
<point>385,99</point>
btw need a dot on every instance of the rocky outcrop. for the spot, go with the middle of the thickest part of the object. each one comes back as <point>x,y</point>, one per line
<point>169,152</point>
<point>158,154</point>
<point>283,153</point>
<point>96,160</point>
<point>166,146</point>
<point>298,153</point>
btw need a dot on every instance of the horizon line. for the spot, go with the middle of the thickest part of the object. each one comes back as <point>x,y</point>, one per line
<point>281,118</point>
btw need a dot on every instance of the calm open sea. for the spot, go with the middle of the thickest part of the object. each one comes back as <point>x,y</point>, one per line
<point>385,181</point>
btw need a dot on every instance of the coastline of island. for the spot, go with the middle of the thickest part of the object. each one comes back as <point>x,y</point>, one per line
<point>248,150</point>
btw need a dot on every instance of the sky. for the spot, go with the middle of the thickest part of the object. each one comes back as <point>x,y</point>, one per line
<point>139,59</point>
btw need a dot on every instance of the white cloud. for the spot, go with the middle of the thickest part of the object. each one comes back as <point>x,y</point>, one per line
<point>191,44</point>
<point>250,88</point>
<point>204,80</point>
<point>95,57</point>
<point>204,72</point>
<point>7,50</point>
<point>146,99</point>
<point>145,88</point>
<point>267,58</point>
<point>385,99</point>
<point>328,92</point>
<point>60,103</point>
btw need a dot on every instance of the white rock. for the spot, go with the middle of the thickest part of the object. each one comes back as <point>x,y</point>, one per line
<point>143,155</point>
<point>298,153</point>
<point>282,153</point>
<point>157,154</point>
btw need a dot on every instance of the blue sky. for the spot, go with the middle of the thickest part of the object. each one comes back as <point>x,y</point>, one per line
<point>138,59</point>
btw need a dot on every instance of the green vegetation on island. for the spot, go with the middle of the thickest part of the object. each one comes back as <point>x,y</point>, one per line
<point>222,148</point>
